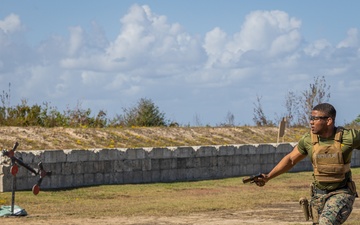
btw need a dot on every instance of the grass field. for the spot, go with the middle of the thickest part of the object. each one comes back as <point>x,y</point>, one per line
<point>214,198</point>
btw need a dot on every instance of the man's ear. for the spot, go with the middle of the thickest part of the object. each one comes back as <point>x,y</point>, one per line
<point>330,121</point>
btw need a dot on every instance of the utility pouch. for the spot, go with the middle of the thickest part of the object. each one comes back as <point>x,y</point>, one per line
<point>304,204</point>
<point>315,214</point>
<point>352,187</point>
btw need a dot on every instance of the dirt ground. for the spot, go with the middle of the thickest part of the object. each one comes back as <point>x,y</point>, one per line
<point>287,213</point>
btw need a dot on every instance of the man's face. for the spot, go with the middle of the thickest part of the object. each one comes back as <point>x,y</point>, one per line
<point>318,122</point>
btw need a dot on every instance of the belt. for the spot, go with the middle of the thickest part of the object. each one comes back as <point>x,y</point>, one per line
<point>324,192</point>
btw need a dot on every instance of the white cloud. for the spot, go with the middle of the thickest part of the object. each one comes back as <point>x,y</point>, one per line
<point>352,40</point>
<point>317,47</point>
<point>76,39</point>
<point>261,28</point>
<point>146,36</point>
<point>10,24</point>
<point>151,57</point>
<point>264,33</point>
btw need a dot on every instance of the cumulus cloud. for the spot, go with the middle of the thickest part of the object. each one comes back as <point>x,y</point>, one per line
<point>352,40</point>
<point>316,48</point>
<point>149,39</point>
<point>151,57</point>
<point>10,24</point>
<point>263,33</point>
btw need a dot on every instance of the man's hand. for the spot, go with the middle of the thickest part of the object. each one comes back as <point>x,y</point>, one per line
<point>261,180</point>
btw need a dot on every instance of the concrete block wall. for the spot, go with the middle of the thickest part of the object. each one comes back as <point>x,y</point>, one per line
<point>78,168</point>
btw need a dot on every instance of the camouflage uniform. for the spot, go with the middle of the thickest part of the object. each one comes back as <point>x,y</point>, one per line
<point>333,208</point>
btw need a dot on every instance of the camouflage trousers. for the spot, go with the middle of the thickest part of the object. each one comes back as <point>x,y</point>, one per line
<point>333,208</point>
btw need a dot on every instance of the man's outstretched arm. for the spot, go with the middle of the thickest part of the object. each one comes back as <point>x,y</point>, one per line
<point>285,164</point>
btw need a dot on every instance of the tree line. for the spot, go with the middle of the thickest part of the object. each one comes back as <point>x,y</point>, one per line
<point>146,113</point>
<point>298,106</point>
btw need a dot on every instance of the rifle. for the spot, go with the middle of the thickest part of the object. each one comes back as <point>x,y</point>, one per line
<point>252,178</point>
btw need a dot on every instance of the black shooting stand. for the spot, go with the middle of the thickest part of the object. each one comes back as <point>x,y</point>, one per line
<point>15,163</point>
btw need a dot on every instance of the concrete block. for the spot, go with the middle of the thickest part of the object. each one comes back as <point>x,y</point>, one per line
<point>66,168</point>
<point>184,152</point>
<point>226,150</point>
<point>128,177</point>
<point>138,177</point>
<point>181,174</point>
<point>238,160</point>
<point>213,172</point>
<point>193,162</point>
<point>132,165</point>
<point>117,178</point>
<point>204,161</point>
<point>238,150</point>
<point>229,160</point>
<point>166,164</point>
<point>266,149</point>
<point>78,180</point>
<point>71,156</point>
<point>55,156</point>
<point>78,168</point>
<point>266,167</point>
<point>156,176</point>
<point>251,169</point>
<point>93,154</point>
<point>108,166</point>
<point>118,166</point>
<point>227,171</point>
<point>159,153</point>
<point>168,175</point>
<point>254,159</point>
<point>147,176</point>
<point>205,173</point>
<point>236,170</point>
<point>146,164</point>
<point>155,164</point>
<point>89,167</point>
<point>181,163</point>
<point>247,149</point>
<point>55,168</point>
<point>213,161</point>
<point>136,153</point>
<point>56,181</point>
<point>285,148</point>
<point>89,179</point>
<point>198,173</point>
<point>107,178</point>
<point>111,154</point>
<point>206,151</point>
<point>66,181</point>
<point>257,168</point>
<point>190,174</point>
<point>221,161</point>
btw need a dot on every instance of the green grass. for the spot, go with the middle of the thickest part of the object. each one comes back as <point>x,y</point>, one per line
<point>165,199</point>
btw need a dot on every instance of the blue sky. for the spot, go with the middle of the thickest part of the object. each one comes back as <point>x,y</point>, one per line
<point>197,60</point>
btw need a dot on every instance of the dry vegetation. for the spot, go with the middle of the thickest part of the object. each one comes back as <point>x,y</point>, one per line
<point>39,138</point>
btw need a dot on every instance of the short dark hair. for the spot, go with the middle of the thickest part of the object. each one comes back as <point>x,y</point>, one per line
<point>326,108</point>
